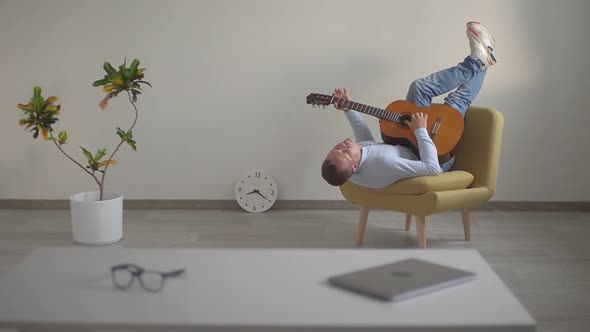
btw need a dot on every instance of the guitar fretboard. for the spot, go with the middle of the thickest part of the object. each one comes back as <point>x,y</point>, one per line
<point>374,111</point>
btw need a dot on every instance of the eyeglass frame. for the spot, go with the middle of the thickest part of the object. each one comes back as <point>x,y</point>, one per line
<point>136,272</point>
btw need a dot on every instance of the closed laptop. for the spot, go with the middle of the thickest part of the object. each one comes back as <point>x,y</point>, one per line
<point>401,280</point>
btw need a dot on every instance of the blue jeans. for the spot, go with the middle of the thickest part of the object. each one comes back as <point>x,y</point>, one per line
<point>466,77</point>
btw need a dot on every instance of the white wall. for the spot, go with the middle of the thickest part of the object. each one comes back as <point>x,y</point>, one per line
<point>230,80</point>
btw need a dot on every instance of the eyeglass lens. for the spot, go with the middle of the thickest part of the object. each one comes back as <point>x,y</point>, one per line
<point>152,281</point>
<point>122,278</point>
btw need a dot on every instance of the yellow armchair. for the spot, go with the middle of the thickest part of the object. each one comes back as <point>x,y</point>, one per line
<point>471,181</point>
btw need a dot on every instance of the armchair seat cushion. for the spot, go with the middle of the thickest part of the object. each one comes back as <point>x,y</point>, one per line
<point>419,185</point>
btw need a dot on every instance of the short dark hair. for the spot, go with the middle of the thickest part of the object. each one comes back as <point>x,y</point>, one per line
<point>333,174</point>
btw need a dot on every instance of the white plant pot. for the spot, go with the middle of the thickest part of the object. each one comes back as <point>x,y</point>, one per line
<point>96,222</point>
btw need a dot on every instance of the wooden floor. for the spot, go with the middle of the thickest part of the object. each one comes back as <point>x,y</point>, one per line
<point>544,257</point>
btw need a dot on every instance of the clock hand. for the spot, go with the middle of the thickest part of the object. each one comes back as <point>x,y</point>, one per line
<point>258,192</point>
<point>252,192</point>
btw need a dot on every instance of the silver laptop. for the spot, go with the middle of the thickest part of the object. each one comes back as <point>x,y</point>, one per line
<point>401,280</point>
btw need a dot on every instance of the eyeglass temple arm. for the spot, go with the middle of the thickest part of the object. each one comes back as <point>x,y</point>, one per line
<point>175,273</point>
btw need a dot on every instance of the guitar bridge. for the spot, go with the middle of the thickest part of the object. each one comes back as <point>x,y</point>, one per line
<point>436,126</point>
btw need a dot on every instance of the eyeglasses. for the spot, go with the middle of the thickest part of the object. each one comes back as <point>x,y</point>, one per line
<point>152,281</point>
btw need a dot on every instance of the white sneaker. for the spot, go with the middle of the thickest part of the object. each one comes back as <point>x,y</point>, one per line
<point>482,43</point>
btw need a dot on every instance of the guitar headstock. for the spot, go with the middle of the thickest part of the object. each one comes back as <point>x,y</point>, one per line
<point>317,99</point>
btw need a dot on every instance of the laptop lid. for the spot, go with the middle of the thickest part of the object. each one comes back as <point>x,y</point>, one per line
<point>401,280</point>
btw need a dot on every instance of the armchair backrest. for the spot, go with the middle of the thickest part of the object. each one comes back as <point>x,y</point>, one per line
<point>478,151</point>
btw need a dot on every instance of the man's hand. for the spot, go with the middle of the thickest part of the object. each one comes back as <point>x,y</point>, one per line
<point>418,121</point>
<point>343,94</point>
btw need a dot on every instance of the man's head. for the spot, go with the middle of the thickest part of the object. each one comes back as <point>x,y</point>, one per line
<point>342,161</point>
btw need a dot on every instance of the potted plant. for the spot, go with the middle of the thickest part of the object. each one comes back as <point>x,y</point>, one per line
<point>97,216</point>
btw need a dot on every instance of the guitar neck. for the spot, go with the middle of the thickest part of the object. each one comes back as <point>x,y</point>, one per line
<point>370,110</point>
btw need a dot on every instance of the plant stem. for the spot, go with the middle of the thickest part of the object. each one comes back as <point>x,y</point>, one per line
<point>104,173</point>
<point>77,163</point>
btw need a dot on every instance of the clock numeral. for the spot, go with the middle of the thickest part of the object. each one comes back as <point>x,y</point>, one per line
<point>257,174</point>
<point>272,193</point>
<point>239,189</point>
<point>254,208</point>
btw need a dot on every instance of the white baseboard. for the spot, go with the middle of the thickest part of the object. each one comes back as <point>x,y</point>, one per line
<point>219,204</point>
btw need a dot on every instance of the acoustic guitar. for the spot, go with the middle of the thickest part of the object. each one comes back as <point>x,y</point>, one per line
<point>444,124</point>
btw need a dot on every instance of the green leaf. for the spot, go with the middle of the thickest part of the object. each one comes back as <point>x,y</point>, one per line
<point>63,137</point>
<point>109,69</point>
<point>121,133</point>
<point>100,82</point>
<point>51,139</point>
<point>37,92</point>
<point>125,74</point>
<point>99,154</point>
<point>37,99</point>
<point>87,154</point>
<point>133,68</point>
<point>132,143</point>
<point>127,137</point>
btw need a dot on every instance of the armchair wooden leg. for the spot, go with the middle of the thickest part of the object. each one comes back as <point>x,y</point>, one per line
<point>363,216</point>
<point>408,221</point>
<point>466,224</point>
<point>421,228</point>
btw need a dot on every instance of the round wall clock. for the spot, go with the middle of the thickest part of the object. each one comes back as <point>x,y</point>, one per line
<point>256,191</point>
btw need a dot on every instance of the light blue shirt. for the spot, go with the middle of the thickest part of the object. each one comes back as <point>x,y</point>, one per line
<point>383,164</point>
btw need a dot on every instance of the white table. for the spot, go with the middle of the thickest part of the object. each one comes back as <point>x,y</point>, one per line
<point>246,290</point>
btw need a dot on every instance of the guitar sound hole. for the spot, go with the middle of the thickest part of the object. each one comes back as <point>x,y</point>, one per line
<point>403,120</point>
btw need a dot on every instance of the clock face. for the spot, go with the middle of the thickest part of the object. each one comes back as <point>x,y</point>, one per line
<point>256,191</point>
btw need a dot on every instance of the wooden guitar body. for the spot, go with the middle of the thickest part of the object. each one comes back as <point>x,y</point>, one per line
<point>445,138</point>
